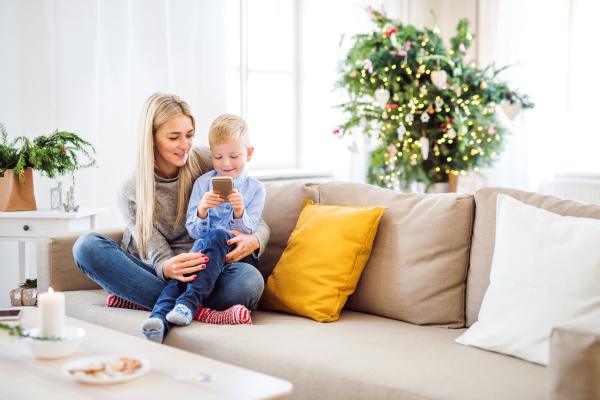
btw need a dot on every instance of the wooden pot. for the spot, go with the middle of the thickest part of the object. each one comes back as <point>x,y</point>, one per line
<point>13,195</point>
<point>452,183</point>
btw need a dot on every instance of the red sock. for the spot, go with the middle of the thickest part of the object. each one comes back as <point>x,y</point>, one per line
<point>235,315</point>
<point>116,301</point>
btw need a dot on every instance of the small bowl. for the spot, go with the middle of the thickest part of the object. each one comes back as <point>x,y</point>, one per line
<point>56,348</point>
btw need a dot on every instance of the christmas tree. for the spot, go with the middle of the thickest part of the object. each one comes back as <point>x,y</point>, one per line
<point>432,110</point>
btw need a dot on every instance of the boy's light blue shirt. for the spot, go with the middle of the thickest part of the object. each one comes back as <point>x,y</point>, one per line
<point>221,217</point>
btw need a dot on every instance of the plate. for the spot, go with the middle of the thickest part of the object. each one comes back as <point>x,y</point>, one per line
<point>105,380</point>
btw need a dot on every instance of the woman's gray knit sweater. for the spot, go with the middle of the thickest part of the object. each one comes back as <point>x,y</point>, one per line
<point>167,240</point>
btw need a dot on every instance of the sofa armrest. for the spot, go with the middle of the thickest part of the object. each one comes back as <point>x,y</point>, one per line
<point>56,264</point>
<point>574,368</point>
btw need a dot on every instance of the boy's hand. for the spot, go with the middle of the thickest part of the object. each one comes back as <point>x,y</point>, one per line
<point>209,200</point>
<point>237,203</point>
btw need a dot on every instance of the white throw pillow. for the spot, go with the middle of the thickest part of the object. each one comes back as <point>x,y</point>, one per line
<point>545,271</point>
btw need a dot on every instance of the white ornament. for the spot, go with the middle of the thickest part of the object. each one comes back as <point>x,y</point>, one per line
<point>396,97</point>
<point>394,40</point>
<point>384,115</point>
<point>439,103</point>
<point>436,30</point>
<point>424,148</point>
<point>423,90</point>
<point>425,117</point>
<point>353,148</point>
<point>451,133</point>
<point>413,162</point>
<point>457,72</point>
<point>409,118</point>
<point>363,121</point>
<point>401,131</point>
<point>382,96</point>
<point>436,148</point>
<point>438,78</point>
<point>511,110</point>
<point>411,103</point>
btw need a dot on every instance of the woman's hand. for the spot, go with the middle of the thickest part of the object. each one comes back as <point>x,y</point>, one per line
<point>246,244</point>
<point>183,264</point>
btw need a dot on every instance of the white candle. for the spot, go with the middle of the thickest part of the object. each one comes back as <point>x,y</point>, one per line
<point>52,314</point>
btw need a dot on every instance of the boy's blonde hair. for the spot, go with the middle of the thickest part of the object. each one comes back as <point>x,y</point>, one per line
<point>229,127</point>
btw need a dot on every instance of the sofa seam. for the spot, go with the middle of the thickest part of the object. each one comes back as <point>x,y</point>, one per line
<point>468,262</point>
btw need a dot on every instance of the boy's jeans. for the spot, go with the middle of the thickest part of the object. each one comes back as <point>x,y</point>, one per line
<point>191,294</point>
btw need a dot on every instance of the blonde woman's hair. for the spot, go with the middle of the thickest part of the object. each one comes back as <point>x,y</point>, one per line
<point>158,109</point>
<point>228,127</point>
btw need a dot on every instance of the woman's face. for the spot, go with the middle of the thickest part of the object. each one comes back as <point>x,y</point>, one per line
<point>172,143</point>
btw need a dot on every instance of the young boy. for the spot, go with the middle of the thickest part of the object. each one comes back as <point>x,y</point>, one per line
<point>208,217</point>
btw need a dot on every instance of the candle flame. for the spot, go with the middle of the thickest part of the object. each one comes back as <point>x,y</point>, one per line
<point>50,290</point>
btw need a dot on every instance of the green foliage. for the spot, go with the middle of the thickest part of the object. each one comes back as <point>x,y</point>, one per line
<point>29,284</point>
<point>403,59</point>
<point>54,155</point>
<point>17,330</point>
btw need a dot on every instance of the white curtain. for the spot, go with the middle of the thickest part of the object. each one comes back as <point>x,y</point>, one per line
<point>557,63</point>
<point>88,66</point>
<point>538,44</point>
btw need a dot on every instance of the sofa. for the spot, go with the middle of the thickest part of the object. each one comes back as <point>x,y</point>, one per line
<point>395,339</point>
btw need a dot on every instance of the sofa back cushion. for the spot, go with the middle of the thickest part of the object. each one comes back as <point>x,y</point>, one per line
<point>283,204</point>
<point>417,269</point>
<point>484,235</point>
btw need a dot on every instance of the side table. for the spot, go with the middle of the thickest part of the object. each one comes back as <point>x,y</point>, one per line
<point>27,226</point>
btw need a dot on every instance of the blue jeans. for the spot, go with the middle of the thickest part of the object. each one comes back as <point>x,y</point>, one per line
<point>192,294</point>
<point>126,276</point>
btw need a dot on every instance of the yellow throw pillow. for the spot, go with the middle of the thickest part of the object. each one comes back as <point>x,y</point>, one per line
<point>324,258</point>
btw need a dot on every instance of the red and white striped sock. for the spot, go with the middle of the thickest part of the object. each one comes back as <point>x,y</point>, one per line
<point>235,315</point>
<point>116,301</point>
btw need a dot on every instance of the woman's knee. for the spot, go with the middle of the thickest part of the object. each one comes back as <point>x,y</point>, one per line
<point>86,246</point>
<point>254,284</point>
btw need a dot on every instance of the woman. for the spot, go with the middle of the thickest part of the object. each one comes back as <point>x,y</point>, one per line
<point>153,203</point>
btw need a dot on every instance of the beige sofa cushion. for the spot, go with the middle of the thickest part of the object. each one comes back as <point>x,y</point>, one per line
<point>283,204</point>
<point>360,356</point>
<point>484,235</point>
<point>418,265</point>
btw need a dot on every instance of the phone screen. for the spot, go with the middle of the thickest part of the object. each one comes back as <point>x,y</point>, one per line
<point>9,313</point>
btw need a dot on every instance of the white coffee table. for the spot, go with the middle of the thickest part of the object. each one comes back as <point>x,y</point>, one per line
<point>24,377</point>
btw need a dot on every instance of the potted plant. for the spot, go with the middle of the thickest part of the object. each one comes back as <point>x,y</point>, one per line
<point>55,155</point>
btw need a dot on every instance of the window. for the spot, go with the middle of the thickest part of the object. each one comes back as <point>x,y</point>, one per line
<point>261,77</point>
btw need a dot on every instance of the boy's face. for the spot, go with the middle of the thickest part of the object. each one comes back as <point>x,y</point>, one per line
<point>230,158</point>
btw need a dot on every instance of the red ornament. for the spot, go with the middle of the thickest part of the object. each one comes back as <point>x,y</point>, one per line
<point>450,120</point>
<point>23,175</point>
<point>336,131</point>
<point>392,31</point>
<point>392,105</point>
<point>468,79</point>
<point>443,124</point>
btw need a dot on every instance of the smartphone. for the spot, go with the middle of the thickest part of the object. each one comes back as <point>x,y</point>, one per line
<point>10,315</point>
<point>223,186</point>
